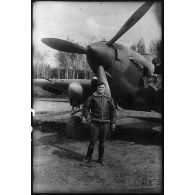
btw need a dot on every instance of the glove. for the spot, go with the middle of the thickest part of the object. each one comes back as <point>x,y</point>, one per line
<point>113,127</point>
<point>88,121</point>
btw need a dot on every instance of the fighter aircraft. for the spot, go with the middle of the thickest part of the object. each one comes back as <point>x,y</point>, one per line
<point>119,67</point>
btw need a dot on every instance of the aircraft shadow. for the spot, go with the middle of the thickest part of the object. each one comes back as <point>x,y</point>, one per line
<point>62,152</point>
<point>52,140</point>
<point>135,132</point>
<point>50,126</point>
<point>145,136</point>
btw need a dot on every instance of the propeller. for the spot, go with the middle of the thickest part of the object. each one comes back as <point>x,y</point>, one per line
<point>97,49</point>
<point>63,45</point>
<point>138,14</point>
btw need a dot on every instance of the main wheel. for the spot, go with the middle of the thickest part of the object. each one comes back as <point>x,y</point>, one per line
<point>73,127</point>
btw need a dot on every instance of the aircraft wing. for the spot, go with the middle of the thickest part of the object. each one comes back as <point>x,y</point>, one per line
<point>64,86</point>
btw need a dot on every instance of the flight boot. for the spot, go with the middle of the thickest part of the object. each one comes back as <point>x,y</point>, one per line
<point>88,157</point>
<point>101,154</point>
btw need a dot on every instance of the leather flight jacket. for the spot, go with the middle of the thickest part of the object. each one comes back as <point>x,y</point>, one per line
<point>100,108</point>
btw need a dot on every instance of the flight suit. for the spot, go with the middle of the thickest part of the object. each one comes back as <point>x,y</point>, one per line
<point>100,110</point>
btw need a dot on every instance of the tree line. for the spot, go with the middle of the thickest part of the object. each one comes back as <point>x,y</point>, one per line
<point>74,66</point>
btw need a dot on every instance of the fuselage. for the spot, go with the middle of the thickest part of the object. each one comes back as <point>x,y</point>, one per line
<point>124,75</point>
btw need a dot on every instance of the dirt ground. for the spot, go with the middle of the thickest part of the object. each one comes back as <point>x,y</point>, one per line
<point>133,153</point>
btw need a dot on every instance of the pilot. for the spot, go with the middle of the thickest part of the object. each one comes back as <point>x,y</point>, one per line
<point>99,111</point>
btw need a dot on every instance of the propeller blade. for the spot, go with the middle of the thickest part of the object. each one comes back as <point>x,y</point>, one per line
<point>102,77</point>
<point>131,21</point>
<point>62,45</point>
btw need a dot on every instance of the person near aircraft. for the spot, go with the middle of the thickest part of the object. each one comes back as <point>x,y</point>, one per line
<point>99,111</point>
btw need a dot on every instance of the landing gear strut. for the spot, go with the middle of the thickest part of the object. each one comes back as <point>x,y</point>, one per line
<point>74,123</point>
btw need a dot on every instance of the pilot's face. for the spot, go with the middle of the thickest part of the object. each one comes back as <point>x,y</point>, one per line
<point>101,89</point>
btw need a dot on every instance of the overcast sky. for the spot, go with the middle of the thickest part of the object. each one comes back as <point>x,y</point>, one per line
<point>87,22</point>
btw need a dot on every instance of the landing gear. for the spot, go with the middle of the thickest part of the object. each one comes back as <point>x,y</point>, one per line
<point>74,123</point>
<point>73,127</point>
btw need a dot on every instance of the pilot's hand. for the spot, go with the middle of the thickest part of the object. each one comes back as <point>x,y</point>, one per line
<point>113,127</point>
<point>88,121</point>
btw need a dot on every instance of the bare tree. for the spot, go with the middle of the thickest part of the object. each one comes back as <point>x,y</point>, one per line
<point>72,64</point>
<point>156,50</point>
<point>140,47</point>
